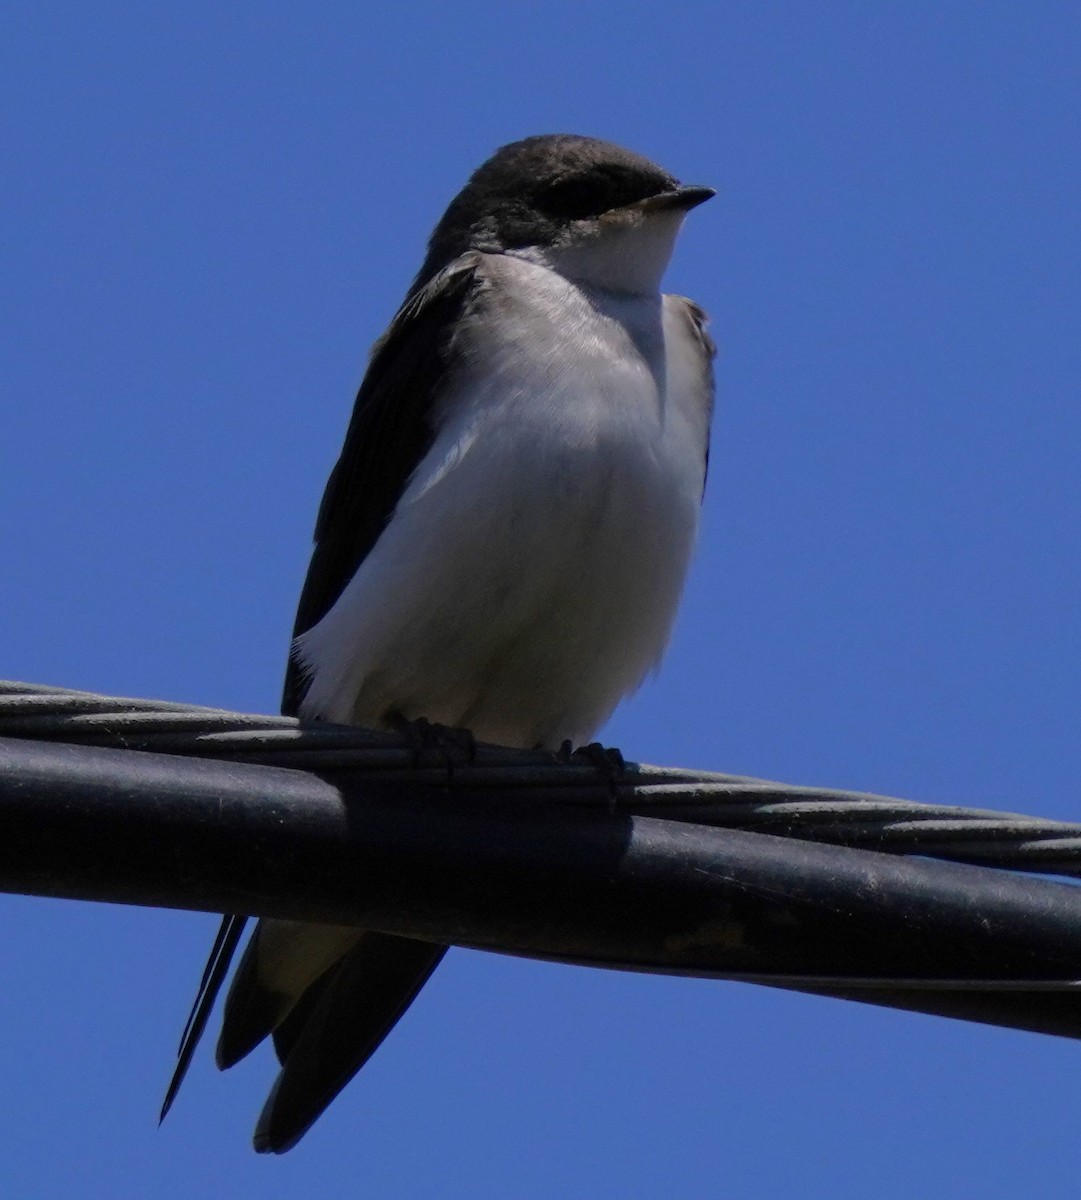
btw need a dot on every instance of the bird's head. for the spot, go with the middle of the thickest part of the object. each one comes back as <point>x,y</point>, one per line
<point>584,207</point>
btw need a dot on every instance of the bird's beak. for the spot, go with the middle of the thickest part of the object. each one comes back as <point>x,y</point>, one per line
<point>681,199</point>
<point>684,198</point>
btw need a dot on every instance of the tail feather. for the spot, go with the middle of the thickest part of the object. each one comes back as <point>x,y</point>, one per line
<point>336,1028</point>
<point>251,1010</point>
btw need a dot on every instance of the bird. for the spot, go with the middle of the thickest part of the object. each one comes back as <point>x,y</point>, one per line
<point>500,548</point>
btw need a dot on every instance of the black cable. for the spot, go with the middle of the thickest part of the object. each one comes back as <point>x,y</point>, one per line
<point>844,818</point>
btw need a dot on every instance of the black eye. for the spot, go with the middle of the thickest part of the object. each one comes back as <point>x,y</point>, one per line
<point>573,198</point>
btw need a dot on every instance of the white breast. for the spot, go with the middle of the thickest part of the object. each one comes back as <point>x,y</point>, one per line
<point>530,574</point>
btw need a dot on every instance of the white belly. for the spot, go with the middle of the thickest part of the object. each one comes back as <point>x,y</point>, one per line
<point>529,577</point>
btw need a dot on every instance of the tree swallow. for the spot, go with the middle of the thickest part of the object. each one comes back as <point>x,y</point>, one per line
<point>501,546</point>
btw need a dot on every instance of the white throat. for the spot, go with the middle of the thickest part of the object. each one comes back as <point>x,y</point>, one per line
<point>624,256</point>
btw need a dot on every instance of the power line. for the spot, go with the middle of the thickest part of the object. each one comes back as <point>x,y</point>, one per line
<point>660,870</point>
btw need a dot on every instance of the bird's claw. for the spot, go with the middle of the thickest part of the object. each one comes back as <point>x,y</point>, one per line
<point>606,759</point>
<point>424,736</point>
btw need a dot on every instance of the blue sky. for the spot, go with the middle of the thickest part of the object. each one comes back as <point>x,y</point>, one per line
<point>208,214</point>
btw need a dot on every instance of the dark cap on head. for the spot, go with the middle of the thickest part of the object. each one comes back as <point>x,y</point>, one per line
<point>529,190</point>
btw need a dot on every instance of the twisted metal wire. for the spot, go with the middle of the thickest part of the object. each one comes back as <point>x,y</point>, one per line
<point>860,820</point>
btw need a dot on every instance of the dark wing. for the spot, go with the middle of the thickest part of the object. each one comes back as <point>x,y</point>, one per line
<point>390,431</point>
<point>217,965</point>
<point>698,320</point>
<point>343,1017</point>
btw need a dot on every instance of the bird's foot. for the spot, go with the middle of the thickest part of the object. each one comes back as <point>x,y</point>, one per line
<point>453,746</point>
<point>606,759</point>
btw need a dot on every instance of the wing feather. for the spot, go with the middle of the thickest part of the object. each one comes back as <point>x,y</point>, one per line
<point>392,427</point>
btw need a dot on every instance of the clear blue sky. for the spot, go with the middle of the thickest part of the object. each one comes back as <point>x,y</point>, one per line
<point>209,212</point>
